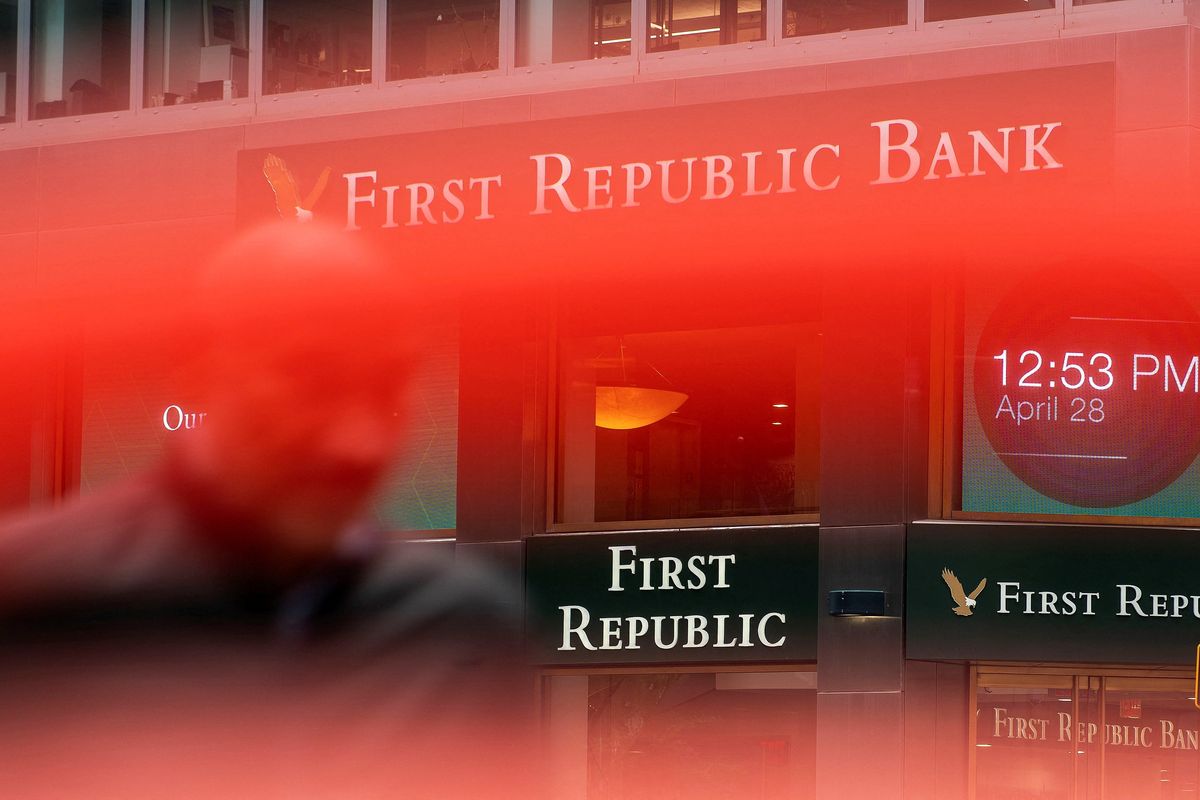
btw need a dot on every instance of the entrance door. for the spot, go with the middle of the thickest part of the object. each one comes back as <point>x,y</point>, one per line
<point>1084,737</point>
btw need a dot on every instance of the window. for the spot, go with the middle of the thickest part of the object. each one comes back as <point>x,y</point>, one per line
<point>438,37</point>
<point>936,10</point>
<point>552,31</point>
<point>135,407</point>
<point>633,736</point>
<point>313,44</point>
<point>682,24</point>
<point>810,17</point>
<point>80,54</point>
<point>688,424</point>
<point>1079,398</point>
<point>8,60</point>
<point>1066,737</point>
<point>196,51</point>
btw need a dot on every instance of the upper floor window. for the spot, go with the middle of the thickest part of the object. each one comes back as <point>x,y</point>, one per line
<point>313,44</point>
<point>80,51</point>
<point>810,17</point>
<point>553,31</point>
<point>936,10</point>
<point>442,37</point>
<point>8,60</point>
<point>196,51</point>
<point>682,24</point>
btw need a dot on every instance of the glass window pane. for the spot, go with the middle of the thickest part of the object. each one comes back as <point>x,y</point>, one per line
<point>553,31</point>
<point>936,10</point>
<point>314,44</point>
<point>1152,733</point>
<point>8,60</point>
<point>80,55</point>
<point>441,37</point>
<point>809,17</point>
<point>196,50</point>
<point>138,403</point>
<point>695,735</point>
<point>1025,740</point>
<point>688,424</point>
<point>681,24</point>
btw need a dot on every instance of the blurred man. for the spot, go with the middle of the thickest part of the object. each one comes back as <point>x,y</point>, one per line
<point>225,626</point>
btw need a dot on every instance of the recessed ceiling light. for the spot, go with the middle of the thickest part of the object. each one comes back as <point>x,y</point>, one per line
<point>779,405</point>
<point>776,423</point>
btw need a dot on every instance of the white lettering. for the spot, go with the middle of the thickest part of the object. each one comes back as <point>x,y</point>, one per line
<point>564,172</point>
<point>808,168</point>
<point>570,630</point>
<point>887,147</point>
<point>353,198</point>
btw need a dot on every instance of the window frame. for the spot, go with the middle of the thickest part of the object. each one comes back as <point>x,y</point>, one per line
<point>553,480</point>
<point>947,418</point>
<point>773,52</point>
<point>1042,675</point>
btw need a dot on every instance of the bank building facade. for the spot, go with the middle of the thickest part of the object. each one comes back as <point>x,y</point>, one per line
<point>828,373</point>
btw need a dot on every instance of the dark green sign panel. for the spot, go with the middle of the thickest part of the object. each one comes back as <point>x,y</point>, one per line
<point>1066,593</point>
<point>729,596</point>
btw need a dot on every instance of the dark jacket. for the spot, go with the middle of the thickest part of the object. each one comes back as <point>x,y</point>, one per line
<point>148,650</point>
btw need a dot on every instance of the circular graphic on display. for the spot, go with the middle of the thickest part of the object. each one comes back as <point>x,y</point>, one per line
<point>1087,385</point>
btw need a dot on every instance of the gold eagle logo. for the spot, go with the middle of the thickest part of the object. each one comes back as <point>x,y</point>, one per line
<point>963,602</point>
<point>287,193</point>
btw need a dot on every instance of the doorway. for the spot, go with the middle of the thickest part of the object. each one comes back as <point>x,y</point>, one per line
<point>1081,736</point>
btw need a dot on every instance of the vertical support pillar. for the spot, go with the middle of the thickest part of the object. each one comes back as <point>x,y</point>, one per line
<point>508,36</point>
<point>774,20</point>
<point>379,42</point>
<point>257,49</point>
<point>137,54</point>
<point>874,431</point>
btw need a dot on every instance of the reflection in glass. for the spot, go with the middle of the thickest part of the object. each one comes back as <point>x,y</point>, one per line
<point>80,57</point>
<point>1024,745</point>
<point>313,44</point>
<point>134,407</point>
<point>643,737</point>
<point>936,10</point>
<point>810,17</point>
<point>553,31</point>
<point>1061,737</point>
<point>1152,739</point>
<point>682,24</point>
<point>741,442</point>
<point>440,37</point>
<point>196,51</point>
<point>8,60</point>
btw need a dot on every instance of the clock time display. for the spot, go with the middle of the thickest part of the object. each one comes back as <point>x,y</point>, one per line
<point>1086,390</point>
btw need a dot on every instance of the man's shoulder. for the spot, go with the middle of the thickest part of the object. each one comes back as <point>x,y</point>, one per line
<point>435,588</point>
<point>124,540</point>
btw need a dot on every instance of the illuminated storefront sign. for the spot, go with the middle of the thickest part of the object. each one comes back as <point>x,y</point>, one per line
<point>561,185</point>
<point>1027,135</point>
<point>714,597</point>
<point>1051,594</point>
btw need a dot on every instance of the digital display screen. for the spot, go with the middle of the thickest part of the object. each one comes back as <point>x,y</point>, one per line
<point>132,407</point>
<point>1081,392</point>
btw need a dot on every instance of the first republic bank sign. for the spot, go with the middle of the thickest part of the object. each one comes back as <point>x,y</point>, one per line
<point>1018,130</point>
<point>1067,593</point>
<point>676,596</point>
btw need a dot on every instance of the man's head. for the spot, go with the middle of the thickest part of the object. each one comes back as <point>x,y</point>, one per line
<point>301,361</point>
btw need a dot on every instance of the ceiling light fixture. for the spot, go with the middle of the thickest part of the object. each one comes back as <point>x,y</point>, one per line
<point>626,406</point>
